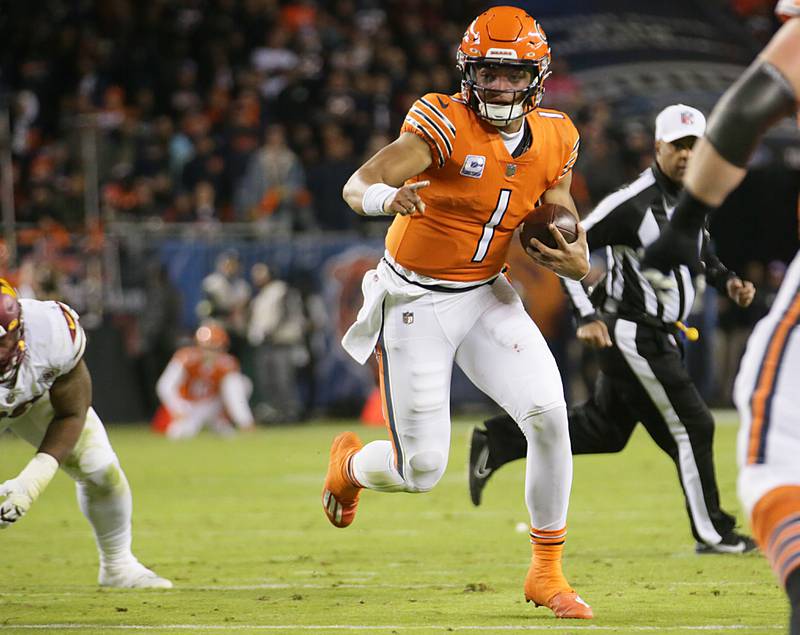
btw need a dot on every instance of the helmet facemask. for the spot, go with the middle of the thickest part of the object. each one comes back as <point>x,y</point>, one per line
<point>524,99</point>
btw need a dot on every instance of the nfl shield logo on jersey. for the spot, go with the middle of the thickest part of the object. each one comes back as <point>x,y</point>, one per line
<point>408,317</point>
<point>473,166</point>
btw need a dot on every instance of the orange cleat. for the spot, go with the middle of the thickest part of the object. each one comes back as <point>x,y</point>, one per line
<point>567,604</point>
<point>340,494</point>
<point>564,602</point>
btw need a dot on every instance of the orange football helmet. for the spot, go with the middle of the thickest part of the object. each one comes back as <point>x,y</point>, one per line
<point>12,333</point>
<point>212,336</point>
<point>503,36</point>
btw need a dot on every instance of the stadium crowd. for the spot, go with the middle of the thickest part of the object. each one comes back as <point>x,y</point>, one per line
<point>194,102</point>
<point>244,111</point>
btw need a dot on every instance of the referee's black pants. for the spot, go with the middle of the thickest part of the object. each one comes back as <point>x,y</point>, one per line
<point>642,379</point>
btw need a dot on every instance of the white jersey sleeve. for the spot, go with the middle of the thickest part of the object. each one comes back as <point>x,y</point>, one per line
<point>53,334</point>
<point>74,337</point>
<point>786,9</point>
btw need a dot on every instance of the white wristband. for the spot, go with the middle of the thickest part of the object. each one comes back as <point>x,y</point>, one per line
<point>39,471</point>
<point>374,198</point>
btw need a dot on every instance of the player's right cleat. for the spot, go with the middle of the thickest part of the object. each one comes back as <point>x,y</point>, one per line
<point>340,494</point>
<point>133,575</point>
<point>479,469</point>
<point>731,542</point>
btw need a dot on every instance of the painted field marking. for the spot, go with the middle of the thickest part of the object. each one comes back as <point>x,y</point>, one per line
<point>243,587</point>
<point>387,627</point>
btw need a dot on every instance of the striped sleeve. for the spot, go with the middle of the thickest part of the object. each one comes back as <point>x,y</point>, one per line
<point>571,158</point>
<point>571,143</point>
<point>76,340</point>
<point>426,119</point>
<point>582,306</point>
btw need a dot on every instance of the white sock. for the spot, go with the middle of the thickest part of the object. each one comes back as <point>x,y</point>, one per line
<point>105,499</point>
<point>373,467</point>
<point>548,473</point>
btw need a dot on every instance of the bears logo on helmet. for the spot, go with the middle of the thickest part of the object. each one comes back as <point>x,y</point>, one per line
<point>12,333</point>
<point>507,37</point>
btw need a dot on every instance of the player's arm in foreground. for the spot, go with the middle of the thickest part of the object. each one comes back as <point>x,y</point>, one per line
<point>71,396</point>
<point>766,93</point>
<point>569,260</point>
<point>725,281</point>
<point>377,187</point>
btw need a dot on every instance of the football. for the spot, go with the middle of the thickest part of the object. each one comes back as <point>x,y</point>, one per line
<point>535,225</point>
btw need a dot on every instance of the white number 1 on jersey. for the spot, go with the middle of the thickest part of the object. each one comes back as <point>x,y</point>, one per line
<point>488,229</point>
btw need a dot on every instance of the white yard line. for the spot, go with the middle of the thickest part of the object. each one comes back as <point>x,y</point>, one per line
<point>391,627</point>
<point>247,587</point>
<point>330,585</point>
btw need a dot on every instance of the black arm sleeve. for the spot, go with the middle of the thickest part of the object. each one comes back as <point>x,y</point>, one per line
<point>761,97</point>
<point>717,274</point>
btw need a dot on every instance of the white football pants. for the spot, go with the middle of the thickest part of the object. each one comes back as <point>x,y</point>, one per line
<point>104,495</point>
<point>487,332</point>
<point>767,395</point>
<point>233,401</point>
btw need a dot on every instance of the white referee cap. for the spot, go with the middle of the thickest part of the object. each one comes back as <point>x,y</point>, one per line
<point>678,121</point>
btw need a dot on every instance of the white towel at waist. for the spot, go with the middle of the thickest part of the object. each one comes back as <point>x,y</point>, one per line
<point>361,337</point>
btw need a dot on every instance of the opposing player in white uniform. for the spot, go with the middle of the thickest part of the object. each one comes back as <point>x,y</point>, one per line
<point>45,398</point>
<point>767,390</point>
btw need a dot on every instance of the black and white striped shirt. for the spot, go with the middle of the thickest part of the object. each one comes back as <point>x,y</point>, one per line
<point>625,222</point>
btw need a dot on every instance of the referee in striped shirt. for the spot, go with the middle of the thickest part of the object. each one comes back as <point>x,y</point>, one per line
<point>642,376</point>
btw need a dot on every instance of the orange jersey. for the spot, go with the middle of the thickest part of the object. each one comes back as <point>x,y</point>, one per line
<point>478,193</point>
<point>204,372</point>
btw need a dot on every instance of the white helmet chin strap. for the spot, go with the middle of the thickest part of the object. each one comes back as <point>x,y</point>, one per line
<point>500,115</point>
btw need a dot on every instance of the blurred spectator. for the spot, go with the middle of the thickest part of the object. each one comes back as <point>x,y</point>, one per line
<point>225,298</point>
<point>776,270</point>
<point>159,322</point>
<point>596,162</point>
<point>269,191</point>
<point>205,210</point>
<point>327,178</point>
<point>202,386</point>
<point>563,90</point>
<point>277,331</point>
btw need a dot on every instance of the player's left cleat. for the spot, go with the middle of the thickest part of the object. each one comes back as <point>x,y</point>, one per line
<point>133,575</point>
<point>565,604</point>
<point>479,469</point>
<point>568,605</point>
<point>340,494</point>
<point>731,542</point>
<point>553,591</point>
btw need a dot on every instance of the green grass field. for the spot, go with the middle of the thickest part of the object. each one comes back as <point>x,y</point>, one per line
<point>238,526</point>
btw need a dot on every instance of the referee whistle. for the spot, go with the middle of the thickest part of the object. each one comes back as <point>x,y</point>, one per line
<point>691,333</point>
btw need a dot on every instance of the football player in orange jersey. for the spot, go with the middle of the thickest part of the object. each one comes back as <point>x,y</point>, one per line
<point>202,385</point>
<point>463,174</point>
<point>765,392</point>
